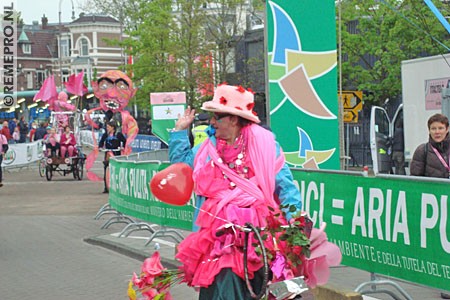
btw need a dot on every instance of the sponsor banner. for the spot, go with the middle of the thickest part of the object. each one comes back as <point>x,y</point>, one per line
<point>433,92</point>
<point>145,143</point>
<point>396,226</point>
<point>22,154</point>
<point>302,80</point>
<point>393,226</point>
<point>130,194</point>
<point>165,110</point>
<point>168,98</point>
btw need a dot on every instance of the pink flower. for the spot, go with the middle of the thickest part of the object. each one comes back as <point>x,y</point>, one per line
<point>137,281</point>
<point>324,254</point>
<point>278,265</point>
<point>152,266</point>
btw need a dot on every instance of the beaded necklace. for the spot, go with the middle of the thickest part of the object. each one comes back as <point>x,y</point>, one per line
<point>234,156</point>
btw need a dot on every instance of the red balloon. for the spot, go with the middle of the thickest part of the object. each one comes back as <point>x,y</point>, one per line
<point>173,185</point>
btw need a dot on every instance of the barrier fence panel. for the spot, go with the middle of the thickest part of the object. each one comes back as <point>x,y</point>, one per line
<point>396,226</point>
<point>130,194</point>
<point>19,155</point>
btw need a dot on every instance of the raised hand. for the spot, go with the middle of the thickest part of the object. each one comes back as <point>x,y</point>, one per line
<point>184,121</point>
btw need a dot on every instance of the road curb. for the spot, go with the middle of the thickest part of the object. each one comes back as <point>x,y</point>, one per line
<point>129,251</point>
<point>328,291</point>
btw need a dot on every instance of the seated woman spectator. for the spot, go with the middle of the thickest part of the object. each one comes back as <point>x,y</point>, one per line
<point>67,143</point>
<point>52,143</point>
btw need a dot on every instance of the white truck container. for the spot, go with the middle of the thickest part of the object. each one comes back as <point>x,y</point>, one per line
<point>424,81</point>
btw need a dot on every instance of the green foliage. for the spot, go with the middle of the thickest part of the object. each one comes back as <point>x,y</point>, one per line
<point>170,41</point>
<point>384,37</point>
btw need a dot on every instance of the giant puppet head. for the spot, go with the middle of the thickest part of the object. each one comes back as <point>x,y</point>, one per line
<point>114,89</point>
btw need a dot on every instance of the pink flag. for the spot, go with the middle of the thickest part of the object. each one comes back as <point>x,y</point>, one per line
<point>47,91</point>
<point>75,84</point>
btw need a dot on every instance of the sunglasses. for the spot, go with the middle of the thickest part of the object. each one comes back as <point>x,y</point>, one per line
<point>219,116</point>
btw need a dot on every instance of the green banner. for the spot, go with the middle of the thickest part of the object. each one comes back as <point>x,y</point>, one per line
<point>301,40</point>
<point>130,194</point>
<point>393,226</point>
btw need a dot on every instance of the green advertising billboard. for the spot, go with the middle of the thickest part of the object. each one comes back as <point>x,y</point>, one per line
<point>394,226</point>
<point>303,104</point>
<point>130,194</point>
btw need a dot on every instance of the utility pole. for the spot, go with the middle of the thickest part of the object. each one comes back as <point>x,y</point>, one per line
<point>60,42</point>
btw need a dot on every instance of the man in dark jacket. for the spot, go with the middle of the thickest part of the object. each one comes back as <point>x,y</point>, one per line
<point>398,150</point>
<point>40,132</point>
<point>23,129</point>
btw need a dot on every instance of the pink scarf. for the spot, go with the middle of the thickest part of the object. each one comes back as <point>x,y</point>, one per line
<point>262,154</point>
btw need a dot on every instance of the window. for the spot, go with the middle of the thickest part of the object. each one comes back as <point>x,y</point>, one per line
<point>29,78</point>
<point>84,47</point>
<point>65,48</point>
<point>40,77</point>
<point>65,75</point>
<point>26,48</point>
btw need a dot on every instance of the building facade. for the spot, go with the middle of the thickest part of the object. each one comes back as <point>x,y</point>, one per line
<point>45,49</point>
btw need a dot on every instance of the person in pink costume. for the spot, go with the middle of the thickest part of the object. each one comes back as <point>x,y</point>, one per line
<point>61,105</point>
<point>114,89</point>
<point>239,172</point>
<point>67,142</point>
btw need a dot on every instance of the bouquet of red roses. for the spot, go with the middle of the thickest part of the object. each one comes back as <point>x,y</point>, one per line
<point>296,249</point>
<point>154,281</point>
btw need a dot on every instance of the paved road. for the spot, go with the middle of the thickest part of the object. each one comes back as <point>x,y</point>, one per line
<point>43,253</point>
<point>42,250</point>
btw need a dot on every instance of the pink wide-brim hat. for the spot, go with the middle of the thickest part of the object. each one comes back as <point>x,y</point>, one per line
<point>234,100</point>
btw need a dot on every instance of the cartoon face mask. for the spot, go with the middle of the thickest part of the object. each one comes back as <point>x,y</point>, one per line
<point>114,89</point>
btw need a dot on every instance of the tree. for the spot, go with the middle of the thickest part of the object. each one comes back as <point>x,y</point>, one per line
<point>174,43</point>
<point>377,37</point>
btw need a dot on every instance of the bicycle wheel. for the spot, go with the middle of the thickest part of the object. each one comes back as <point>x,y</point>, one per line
<point>80,166</point>
<point>49,172</point>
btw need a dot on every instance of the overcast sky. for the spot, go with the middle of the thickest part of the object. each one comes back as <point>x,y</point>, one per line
<point>33,10</point>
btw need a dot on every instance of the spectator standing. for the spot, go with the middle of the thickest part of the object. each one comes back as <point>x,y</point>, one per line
<point>40,132</point>
<point>32,131</point>
<point>431,159</point>
<point>23,130</point>
<point>12,124</point>
<point>16,135</point>
<point>148,128</point>
<point>199,130</point>
<point>5,131</point>
<point>398,150</point>
<point>3,145</point>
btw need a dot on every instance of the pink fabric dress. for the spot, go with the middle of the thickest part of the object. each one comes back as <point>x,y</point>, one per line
<point>67,147</point>
<point>203,253</point>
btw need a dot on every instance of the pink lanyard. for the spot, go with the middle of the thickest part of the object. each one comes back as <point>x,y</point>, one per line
<point>442,159</point>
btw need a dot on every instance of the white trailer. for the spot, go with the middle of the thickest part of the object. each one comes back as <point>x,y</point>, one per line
<point>424,81</point>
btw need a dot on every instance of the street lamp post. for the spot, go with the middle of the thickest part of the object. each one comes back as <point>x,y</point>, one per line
<point>60,41</point>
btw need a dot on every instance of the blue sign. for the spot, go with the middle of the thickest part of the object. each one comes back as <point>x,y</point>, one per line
<point>146,143</point>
